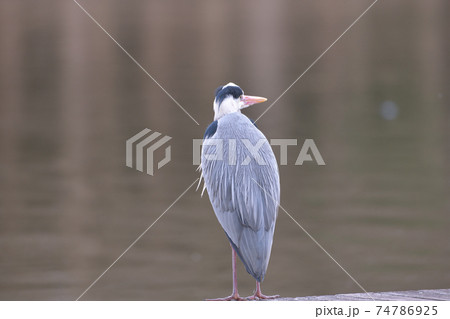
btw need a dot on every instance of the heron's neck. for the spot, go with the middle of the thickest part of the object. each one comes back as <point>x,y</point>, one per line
<point>227,106</point>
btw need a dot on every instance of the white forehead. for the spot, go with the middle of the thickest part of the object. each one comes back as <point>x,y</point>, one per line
<point>230,84</point>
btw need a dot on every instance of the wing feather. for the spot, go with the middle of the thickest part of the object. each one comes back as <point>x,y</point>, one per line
<point>245,198</point>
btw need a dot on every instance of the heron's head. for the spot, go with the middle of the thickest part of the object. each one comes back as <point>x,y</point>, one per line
<point>230,98</point>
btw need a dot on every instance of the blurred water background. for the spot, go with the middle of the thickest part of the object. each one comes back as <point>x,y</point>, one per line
<point>376,105</point>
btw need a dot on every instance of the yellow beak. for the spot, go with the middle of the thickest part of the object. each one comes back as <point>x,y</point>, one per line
<point>250,100</point>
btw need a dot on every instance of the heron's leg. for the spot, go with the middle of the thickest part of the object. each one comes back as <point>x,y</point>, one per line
<point>233,267</point>
<point>235,294</point>
<point>258,294</point>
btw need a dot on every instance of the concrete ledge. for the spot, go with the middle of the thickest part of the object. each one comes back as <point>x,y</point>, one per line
<point>411,295</point>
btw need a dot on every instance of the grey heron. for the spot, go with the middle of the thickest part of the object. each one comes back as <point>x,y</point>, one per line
<point>241,176</point>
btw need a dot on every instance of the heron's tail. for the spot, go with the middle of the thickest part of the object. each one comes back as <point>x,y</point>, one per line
<point>254,250</point>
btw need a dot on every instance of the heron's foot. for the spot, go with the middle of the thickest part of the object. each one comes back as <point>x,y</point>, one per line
<point>260,296</point>
<point>234,296</point>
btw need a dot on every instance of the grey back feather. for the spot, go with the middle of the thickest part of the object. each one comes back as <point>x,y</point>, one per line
<point>245,198</point>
